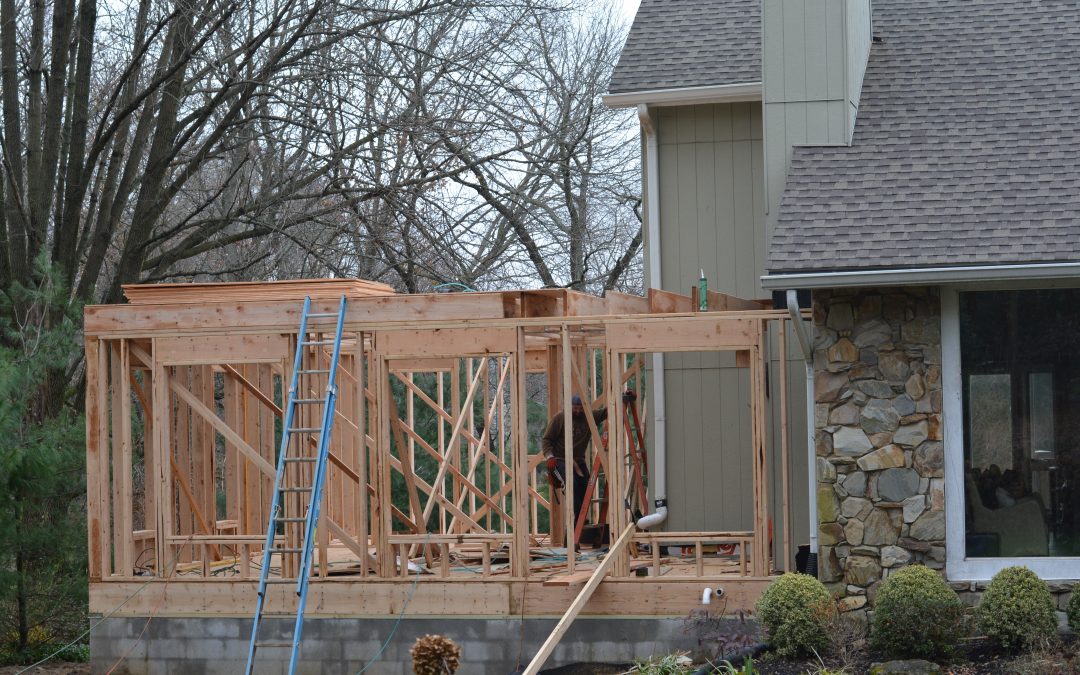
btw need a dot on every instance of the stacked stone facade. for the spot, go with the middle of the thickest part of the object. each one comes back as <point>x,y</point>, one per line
<point>877,418</point>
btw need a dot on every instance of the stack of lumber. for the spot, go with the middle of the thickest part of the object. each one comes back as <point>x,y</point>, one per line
<point>252,291</point>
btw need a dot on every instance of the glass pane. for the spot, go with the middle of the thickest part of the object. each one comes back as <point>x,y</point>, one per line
<point>1022,411</point>
<point>990,421</point>
<point>1041,413</point>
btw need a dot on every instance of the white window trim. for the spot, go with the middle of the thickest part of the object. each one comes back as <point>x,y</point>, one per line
<point>958,567</point>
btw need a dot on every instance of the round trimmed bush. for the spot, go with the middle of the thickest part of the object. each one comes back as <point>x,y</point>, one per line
<point>916,615</point>
<point>793,610</point>
<point>1017,611</point>
<point>1072,610</point>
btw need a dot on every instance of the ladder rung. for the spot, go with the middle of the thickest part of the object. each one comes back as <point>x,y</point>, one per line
<point>304,430</point>
<point>317,342</point>
<point>274,644</point>
<point>290,520</point>
<point>322,316</point>
<point>301,459</point>
<point>309,400</point>
<point>285,550</point>
<point>281,581</point>
<point>308,372</point>
<point>295,489</point>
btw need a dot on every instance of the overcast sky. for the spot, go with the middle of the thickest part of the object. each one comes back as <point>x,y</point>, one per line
<point>629,7</point>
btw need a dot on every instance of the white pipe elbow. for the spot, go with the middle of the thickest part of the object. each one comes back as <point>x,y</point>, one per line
<point>706,596</point>
<point>653,519</point>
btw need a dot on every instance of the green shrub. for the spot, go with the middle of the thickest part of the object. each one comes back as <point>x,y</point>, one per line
<point>1017,611</point>
<point>793,610</point>
<point>1072,611</point>
<point>33,654</point>
<point>916,615</point>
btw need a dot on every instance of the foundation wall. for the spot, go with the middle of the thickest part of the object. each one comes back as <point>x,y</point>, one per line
<point>174,646</point>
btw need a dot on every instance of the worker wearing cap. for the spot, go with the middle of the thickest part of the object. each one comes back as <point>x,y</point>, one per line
<point>552,446</point>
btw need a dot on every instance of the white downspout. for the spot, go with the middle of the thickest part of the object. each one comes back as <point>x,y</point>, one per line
<point>652,221</point>
<point>811,450</point>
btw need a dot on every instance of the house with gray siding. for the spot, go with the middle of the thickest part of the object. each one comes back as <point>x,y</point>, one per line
<point>707,208</point>
<point>911,166</point>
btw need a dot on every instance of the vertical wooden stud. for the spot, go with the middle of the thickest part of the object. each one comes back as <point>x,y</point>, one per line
<point>161,404</point>
<point>440,399</point>
<point>116,497</point>
<point>519,550</point>
<point>455,411</point>
<point>360,410</point>
<point>502,454</point>
<point>96,512</point>
<point>568,451</point>
<point>612,381</point>
<point>383,494</point>
<point>125,507</point>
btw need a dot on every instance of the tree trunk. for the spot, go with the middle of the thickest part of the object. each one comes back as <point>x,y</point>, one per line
<point>21,599</point>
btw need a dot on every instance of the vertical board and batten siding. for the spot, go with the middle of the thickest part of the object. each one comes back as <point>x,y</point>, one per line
<point>722,172</point>
<point>813,58</point>
<point>860,26</point>
<point>712,217</point>
<point>711,197</point>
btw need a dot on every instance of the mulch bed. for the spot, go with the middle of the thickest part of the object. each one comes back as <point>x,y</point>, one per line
<point>975,657</point>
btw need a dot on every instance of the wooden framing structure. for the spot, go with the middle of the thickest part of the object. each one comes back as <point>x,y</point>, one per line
<point>434,467</point>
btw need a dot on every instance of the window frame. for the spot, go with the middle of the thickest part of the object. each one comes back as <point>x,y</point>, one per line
<point>958,567</point>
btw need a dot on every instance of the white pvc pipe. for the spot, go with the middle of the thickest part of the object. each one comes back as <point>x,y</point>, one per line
<point>811,449</point>
<point>811,454</point>
<point>652,221</point>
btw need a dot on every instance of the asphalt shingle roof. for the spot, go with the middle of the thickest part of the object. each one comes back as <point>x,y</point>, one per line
<point>690,43</point>
<point>966,148</point>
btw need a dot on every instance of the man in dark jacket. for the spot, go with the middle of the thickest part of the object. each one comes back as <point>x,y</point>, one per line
<point>552,446</point>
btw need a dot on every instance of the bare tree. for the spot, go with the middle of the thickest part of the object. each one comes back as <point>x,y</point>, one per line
<point>537,180</point>
<point>567,186</point>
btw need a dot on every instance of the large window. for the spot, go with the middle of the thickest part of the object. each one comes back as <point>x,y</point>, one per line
<point>1019,380</point>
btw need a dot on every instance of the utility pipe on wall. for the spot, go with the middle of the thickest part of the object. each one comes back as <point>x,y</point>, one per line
<point>652,221</point>
<point>811,451</point>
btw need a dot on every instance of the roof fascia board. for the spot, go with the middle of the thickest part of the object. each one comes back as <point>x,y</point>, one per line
<point>923,276</point>
<point>720,93</point>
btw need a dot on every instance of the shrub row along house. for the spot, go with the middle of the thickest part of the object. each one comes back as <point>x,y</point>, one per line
<point>900,177</point>
<point>913,165</point>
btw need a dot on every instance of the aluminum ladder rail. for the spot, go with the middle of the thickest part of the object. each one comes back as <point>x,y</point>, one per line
<point>314,490</point>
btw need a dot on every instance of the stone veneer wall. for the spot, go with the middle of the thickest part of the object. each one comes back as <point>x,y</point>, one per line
<point>880,456</point>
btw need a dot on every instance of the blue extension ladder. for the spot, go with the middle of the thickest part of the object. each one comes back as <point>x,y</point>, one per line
<point>292,478</point>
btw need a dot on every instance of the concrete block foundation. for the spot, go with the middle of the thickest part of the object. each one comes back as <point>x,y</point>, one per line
<point>343,646</point>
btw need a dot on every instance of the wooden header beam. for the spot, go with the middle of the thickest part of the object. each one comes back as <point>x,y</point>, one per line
<point>363,314</point>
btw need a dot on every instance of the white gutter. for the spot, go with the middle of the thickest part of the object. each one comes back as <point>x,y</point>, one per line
<point>811,450</point>
<point>652,221</point>
<point>720,93</point>
<point>923,276</point>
